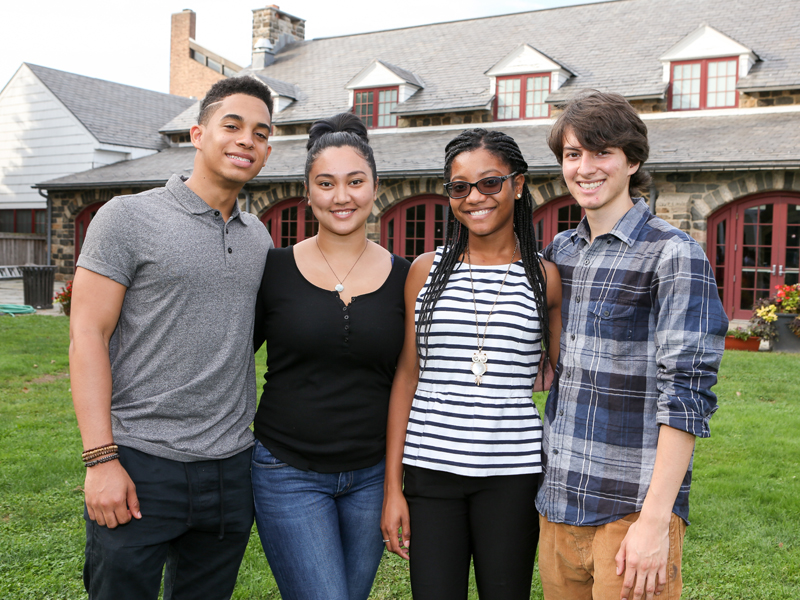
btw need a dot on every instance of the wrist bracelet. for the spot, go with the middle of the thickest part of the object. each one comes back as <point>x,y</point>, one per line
<point>88,455</point>
<point>99,461</point>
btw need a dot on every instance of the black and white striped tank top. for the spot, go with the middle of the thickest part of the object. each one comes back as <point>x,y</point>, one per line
<point>456,425</point>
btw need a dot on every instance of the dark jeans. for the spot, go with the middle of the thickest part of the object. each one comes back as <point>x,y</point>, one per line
<point>492,520</point>
<point>196,519</point>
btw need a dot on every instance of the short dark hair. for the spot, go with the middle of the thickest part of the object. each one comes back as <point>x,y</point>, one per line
<point>230,86</point>
<point>344,129</point>
<point>604,120</point>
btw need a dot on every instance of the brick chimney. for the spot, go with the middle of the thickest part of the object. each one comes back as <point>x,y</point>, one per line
<point>188,76</point>
<point>276,26</point>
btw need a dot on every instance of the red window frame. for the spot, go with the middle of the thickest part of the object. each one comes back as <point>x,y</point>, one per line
<point>763,250</point>
<point>404,233</point>
<point>371,113</point>
<point>35,214</point>
<point>287,226</point>
<point>555,216</point>
<point>523,96</point>
<point>704,79</point>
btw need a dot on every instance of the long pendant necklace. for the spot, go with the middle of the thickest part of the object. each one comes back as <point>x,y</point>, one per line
<point>479,358</point>
<point>340,286</point>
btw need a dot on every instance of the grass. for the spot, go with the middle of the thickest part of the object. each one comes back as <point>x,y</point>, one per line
<point>744,542</point>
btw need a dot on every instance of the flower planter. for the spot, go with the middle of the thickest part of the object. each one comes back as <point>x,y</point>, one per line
<point>787,341</point>
<point>751,344</point>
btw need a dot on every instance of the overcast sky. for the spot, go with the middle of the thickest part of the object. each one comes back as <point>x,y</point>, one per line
<point>128,42</point>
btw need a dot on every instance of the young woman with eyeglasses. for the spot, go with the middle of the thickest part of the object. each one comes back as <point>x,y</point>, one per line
<point>464,438</point>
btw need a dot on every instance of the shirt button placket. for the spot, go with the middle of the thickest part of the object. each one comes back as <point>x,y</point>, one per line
<point>346,324</point>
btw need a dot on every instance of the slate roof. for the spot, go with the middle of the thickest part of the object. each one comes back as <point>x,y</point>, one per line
<point>611,45</point>
<point>114,113</point>
<point>677,144</point>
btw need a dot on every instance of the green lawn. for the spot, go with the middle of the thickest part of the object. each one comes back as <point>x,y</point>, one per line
<point>744,542</point>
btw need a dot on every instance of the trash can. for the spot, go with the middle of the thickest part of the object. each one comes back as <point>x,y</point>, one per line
<point>37,285</point>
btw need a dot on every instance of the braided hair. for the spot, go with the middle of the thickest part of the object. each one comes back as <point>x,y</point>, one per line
<point>506,149</point>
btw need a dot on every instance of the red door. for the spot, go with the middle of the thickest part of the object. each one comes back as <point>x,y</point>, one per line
<point>82,224</point>
<point>753,246</point>
<point>290,221</point>
<point>414,226</point>
<point>554,217</point>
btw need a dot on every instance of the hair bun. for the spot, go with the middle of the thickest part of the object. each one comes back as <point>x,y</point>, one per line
<point>345,122</point>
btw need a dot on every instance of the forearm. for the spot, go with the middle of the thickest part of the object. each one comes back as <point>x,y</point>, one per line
<point>90,380</point>
<point>673,455</point>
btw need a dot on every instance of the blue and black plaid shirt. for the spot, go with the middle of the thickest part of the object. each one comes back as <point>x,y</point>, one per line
<point>642,339</point>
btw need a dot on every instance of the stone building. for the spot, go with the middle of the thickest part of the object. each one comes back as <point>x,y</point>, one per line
<point>718,89</point>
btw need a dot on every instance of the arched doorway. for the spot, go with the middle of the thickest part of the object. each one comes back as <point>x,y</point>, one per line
<point>290,221</point>
<point>414,226</point>
<point>753,246</point>
<point>554,217</point>
<point>82,224</point>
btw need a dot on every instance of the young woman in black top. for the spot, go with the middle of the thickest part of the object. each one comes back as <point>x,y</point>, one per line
<point>331,310</point>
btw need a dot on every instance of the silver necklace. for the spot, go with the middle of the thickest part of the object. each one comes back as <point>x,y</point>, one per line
<point>479,358</point>
<point>340,286</point>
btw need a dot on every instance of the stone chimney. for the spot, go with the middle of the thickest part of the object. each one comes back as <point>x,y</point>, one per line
<point>278,28</point>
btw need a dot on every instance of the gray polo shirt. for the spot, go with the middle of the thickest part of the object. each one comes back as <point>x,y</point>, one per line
<point>182,354</point>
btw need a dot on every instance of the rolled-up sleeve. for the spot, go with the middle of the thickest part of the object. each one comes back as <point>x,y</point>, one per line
<point>690,337</point>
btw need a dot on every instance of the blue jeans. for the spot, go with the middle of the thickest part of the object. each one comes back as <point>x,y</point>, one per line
<point>320,531</point>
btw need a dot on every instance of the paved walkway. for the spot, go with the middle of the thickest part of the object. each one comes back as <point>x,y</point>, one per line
<point>11,292</point>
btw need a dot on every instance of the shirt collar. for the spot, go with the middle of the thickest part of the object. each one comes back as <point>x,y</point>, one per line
<point>194,203</point>
<point>627,228</point>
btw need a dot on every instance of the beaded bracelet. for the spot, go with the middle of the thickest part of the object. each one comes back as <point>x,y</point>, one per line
<point>99,461</point>
<point>88,455</point>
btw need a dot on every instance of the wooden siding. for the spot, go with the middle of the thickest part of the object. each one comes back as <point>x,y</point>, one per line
<point>40,139</point>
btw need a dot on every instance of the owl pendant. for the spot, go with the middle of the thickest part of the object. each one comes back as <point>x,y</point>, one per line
<point>479,367</point>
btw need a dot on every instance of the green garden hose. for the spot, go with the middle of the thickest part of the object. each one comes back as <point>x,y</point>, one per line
<point>16,309</point>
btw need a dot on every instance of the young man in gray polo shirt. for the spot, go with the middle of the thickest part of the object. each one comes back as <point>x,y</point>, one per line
<point>161,362</point>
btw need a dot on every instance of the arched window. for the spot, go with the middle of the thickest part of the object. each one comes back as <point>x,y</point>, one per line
<point>554,217</point>
<point>414,226</point>
<point>290,221</point>
<point>82,224</point>
<point>754,245</point>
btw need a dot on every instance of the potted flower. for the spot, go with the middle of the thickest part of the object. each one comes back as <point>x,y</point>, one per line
<point>64,297</point>
<point>742,339</point>
<point>778,318</point>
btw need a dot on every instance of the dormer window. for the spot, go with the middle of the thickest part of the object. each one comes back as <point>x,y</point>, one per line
<point>377,90</point>
<point>703,68</point>
<point>522,81</point>
<point>374,106</point>
<point>704,84</point>
<point>522,97</point>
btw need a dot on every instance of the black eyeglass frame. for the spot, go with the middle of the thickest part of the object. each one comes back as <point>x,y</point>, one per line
<point>448,186</point>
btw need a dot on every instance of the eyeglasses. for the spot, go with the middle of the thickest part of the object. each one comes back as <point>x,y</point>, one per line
<point>486,186</point>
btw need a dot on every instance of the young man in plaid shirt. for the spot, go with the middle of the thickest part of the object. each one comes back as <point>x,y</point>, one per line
<point>642,339</point>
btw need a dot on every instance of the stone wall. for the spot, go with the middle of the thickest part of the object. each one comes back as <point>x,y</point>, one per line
<point>778,98</point>
<point>295,129</point>
<point>687,199</point>
<point>453,118</point>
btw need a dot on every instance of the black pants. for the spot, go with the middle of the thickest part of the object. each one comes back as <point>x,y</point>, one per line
<point>196,519</point>
<point>493,520</point>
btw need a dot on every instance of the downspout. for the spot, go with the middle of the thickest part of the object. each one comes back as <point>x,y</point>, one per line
<point>49,227</point>
<point>653,196</point>
<point>247,196</point>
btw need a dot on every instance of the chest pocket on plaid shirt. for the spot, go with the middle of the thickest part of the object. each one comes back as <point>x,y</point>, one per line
<point>612,320</point>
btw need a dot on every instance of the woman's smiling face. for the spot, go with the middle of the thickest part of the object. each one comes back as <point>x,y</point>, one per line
<point>341,189</point>
<point>484,214</point>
